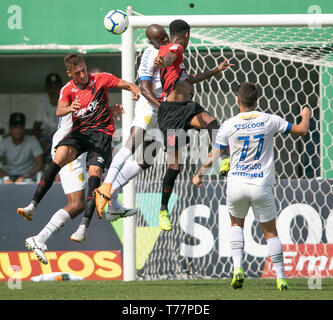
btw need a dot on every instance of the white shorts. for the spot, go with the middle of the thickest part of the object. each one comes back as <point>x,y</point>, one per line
<point>146,118</point>
<point>241,196</point>
<point>73,175</point>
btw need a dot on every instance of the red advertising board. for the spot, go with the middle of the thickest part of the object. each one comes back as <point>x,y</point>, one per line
<point>90,265</point>
<point>304,260</point>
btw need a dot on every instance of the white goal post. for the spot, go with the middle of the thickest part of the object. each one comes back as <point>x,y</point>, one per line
<point>128,74</point>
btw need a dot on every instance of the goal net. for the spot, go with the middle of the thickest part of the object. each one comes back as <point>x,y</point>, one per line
<point>292,67</point>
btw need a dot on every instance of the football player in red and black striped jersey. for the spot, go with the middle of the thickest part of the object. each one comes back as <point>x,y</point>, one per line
<point>85,96</point>
<point>177,113</point>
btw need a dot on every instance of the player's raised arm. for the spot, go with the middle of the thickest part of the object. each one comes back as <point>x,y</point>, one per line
<point>133,88</point>
<point>212,157</point>
<point>195,78</point>
<point>302,128</point>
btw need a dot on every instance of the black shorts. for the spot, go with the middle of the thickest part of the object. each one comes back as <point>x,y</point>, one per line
<point>174,119</point>
<point>97,145</point>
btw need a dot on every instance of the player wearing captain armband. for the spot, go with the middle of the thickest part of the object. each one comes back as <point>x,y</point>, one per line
<point>250,137</point>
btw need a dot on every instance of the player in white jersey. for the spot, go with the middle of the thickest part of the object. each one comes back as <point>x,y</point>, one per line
<point>249,135</point>
<point>143,131</point>
<point>145,121</point>
<point>73,181</point>
<point>149,77</point>
<point>73,177</point>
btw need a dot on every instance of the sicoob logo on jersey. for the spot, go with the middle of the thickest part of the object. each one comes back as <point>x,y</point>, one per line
<point>252,125</point>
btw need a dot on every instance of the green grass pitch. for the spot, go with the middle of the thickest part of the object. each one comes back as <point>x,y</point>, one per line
<point>254,289</point>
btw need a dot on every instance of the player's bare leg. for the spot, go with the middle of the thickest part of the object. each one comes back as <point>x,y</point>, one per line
<point>75,203</point>
<point>37,244</point>
<point>204,120</point>
<point>275,252</point>
<point>130,170</point>
<point>75,206</point>
<point>103,193</point>
<point>94,173</point>
<point>63,155</point>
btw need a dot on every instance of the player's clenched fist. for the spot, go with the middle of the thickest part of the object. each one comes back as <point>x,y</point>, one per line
<point>306,112</point>
<point>117,110</point>
<point>158,62</point>
<point>75,105</point>
<point>197,180</point>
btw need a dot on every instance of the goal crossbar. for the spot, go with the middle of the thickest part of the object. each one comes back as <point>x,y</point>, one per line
<point>251,20</point>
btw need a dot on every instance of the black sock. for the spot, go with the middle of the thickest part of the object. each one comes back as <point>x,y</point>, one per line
<point>167,186</point>
<point>212,128</point>
<point>46,181</point>
<point>93,183</point>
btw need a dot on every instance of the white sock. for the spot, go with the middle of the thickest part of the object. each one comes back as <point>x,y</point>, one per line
<point>276,253</point>
<point>117,163</point>
<point>58,220</point>
<point>130,170</point>
<point>115,205</point>
<point>237,245</point>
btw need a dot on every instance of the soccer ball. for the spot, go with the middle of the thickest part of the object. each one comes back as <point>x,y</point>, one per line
<point>116,21</point>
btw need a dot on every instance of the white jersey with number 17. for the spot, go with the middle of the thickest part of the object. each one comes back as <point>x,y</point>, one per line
<point>250,137</point>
